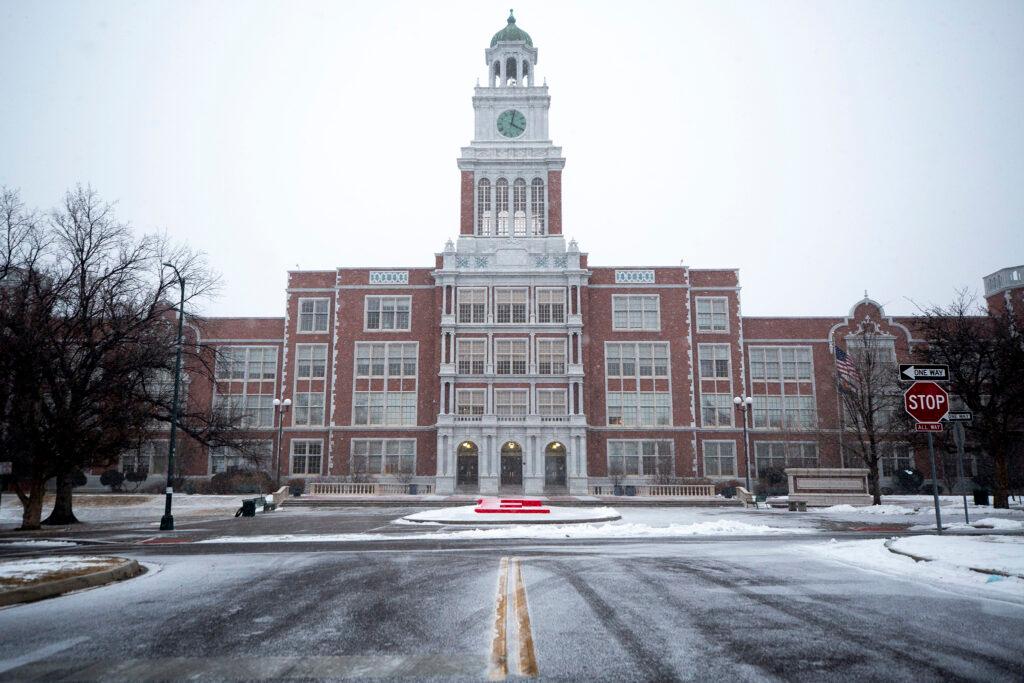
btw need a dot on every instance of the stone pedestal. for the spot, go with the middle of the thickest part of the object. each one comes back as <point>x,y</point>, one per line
<point>824,486</point>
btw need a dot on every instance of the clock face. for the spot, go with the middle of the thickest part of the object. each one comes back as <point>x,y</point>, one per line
<point>511,123</point>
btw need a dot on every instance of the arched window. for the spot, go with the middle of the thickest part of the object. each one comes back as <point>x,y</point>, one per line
<point>519,208</point>
<point>501,201</point>
<point>537,207</point>
<point>484,210</point>
<point>511,71</point>
<point>495,73</point>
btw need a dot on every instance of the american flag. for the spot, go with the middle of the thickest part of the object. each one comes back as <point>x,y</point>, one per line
<point>845,367</point>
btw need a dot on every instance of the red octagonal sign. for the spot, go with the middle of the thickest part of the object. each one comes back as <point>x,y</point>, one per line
<point>926,402</point>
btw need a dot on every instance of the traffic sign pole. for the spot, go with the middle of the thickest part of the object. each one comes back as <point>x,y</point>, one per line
<point>935,484</point>
<point>958,437</point>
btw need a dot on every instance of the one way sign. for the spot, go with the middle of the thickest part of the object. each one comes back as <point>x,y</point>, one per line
<point>935,373</point>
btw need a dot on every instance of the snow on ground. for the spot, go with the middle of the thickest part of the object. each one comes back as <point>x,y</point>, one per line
<point>919,511</point>
<point>37,544</point>
<point>951,569</point>
<point>467,515</point>
<point>997,523</point>
<point>18,572</point>
<point>129,507</point>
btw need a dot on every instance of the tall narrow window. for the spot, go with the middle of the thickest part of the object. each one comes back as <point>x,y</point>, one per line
<point>501,201</point>
<point>550,305</point>
<point>510,305</point>
<point>537,206</point>
<point>484,210</point>
<point>472,304</point>
<point>519,207</point>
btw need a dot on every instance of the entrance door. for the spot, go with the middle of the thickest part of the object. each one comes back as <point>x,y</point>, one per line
<point>554,466</point>
<point>511,466</point>
<point>467,467</point>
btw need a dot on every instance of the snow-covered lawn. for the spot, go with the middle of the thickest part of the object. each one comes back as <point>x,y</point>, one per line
<point>951,563</point>
<point>919,511</point>
<point>18,573</point>
<point>128,507</point>
<point>467,514</point>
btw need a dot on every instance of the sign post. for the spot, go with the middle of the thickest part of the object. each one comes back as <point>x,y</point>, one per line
<point>928,403</point>
<point>958,437</point>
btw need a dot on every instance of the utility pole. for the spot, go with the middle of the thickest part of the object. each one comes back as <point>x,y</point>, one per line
<point>167,521</point>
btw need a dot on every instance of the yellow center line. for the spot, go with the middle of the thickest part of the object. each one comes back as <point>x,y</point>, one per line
<point>499,646</point>
<point>527,656</point>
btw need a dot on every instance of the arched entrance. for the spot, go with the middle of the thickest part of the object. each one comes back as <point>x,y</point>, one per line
<point>467,467</point>
<point>511,467</point>
<point>554,466</point>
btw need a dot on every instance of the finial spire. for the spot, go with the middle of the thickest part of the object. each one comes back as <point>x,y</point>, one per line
<point>511,18</point>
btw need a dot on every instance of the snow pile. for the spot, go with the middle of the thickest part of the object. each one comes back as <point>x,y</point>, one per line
<point>721,527</point>
<point>21,571</point>
<point>467,515</point>
<point>952,566</point>
<point>29,543</point>
<point>987,523</point>
<point>871,509</point>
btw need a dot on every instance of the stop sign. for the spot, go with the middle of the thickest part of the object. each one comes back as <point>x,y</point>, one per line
<point>926,401</point>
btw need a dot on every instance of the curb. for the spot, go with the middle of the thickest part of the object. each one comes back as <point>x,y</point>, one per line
<point>917,558</point>
<point>48,589</point>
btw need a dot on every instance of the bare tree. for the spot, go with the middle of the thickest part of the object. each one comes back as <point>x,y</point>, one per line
<point>871,401</point>
<point>985,354</point>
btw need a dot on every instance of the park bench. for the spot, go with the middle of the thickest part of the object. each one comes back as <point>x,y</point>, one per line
<point>749,499</point>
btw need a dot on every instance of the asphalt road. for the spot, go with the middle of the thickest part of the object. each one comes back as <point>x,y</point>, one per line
<point>751,609</point>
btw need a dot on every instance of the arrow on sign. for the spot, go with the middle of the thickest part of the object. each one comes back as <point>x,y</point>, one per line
<point>938,373</point>
<point>960,416</point>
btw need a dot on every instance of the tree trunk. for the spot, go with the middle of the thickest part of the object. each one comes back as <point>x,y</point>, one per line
<point>62,509</point>
<point>1001,480</point>
<point>874,484</point>
<point>32,505</point>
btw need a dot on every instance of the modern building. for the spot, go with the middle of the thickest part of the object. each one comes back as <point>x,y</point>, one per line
<point>513,364</point>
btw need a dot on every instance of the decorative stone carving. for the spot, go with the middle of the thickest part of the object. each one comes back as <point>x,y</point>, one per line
<point>389,277</point>
<point>634,277</point>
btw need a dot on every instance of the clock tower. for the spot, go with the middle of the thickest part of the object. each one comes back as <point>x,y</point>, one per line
<point>511,171</point>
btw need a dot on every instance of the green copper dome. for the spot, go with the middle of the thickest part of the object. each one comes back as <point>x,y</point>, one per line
<point>511,33</point>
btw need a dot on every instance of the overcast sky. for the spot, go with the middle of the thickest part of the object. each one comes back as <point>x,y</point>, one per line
<point>823,148</point>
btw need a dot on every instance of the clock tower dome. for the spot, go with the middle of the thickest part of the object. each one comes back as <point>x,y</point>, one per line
<point>511,171</point>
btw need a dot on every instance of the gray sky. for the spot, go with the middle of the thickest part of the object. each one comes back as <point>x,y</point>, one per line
<point>822,148</point>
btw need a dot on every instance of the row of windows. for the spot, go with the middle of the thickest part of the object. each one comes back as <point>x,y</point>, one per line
<point>769,412</point>
<point>496,216</point>
<point>251,363</point>
<point>511,305</point>
<point>511,402</point>
<point>640,359</point>
<point>386,359</point>
<point>511,356</point>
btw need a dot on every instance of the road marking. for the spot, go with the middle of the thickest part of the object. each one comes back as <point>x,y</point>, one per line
<point>499,646</point>
<point>41,653</point>
<point>527,657</point>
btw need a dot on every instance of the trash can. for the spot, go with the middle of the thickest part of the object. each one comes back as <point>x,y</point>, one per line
<point>980,497</point>
<point>412,489</point>
<point>617,490</point>
<point>249,508</point>
<point>630,490</point>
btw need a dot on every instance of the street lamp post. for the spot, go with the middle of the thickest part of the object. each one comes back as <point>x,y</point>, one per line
<point>167,521</point>
<point>280,407</point>
<point>744,403</point>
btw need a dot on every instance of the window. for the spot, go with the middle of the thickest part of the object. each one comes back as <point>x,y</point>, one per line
<point>311,361</point>
<point>772,363</point>
<point>252,363</point>
<point>255,456</point>
<point>895,456</point>
<point>149,458</point>
<point>551,305</point>
<point>645,457</point>
<point>472,305</point>
<point>384,408</point>
<point>551,402</point>
<point>306,456</point>
<point>510,305</point>
<point>537,207</point>
<point>643,409</point>
<point>644,359</point>
<point>551,356</point>
<point>309,408</point>
<point>716,410</point>
<point>387,312</point>
<point>469,401</point>
<point>636,312</point>
<point>470,355</point>
<point>519,207</point>
<point>386,359</point>
<point>714,361</point>
<point>501,202</point>
<point>767,412</point>
<point>247,411</point>
<point>712,314</point>
<point>799,411</point>
<point>484,212</point>
<point>510,356</point>
<point>313,315</point>
<point>719,459</point>
<point>511,402</point>
<point>881,349</point>
<point>783,454</point>
<point>384,456</point>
